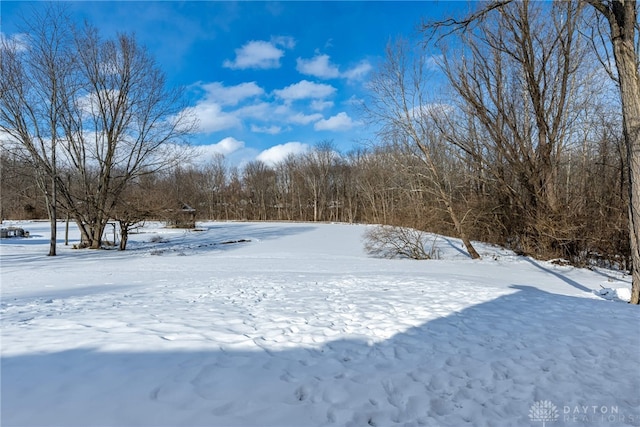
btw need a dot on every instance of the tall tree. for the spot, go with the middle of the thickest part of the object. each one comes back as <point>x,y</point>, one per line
<point>36,83</point>
<point>622,17</point>
<point>126,124</point>
<point>317,171</point>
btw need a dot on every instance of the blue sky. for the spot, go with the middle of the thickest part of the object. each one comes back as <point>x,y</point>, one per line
<point>264,78</point>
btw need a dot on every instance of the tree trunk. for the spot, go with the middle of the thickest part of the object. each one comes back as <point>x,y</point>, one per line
<point>631,105</point>
<point>50,203</point>
<point>463,236</point>
<point>124,236</point>
<point>622,22</point>
<point>53,221</point>
<point>53,201</point>
<point>66,231</point>
<point>315,203</point>
<point>97,230</point>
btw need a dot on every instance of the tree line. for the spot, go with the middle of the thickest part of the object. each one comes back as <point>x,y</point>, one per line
<point>385,184</point>
<point>533,143</point>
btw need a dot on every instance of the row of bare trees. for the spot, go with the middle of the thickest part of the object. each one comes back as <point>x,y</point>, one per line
<point>546,51</point>
<point>386,184</point>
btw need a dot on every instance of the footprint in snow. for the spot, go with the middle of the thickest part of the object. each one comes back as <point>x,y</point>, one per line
<point>301,394</point>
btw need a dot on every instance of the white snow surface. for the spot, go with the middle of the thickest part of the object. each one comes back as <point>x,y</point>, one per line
<point>293,324</point>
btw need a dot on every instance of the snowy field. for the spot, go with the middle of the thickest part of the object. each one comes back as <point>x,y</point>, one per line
<point>280,324</point>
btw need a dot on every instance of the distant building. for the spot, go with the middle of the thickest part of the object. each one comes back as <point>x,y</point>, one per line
<point>13,232</point>
<point>184,217</point>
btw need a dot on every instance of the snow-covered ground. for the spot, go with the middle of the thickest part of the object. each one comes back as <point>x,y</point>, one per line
<point>282,324</point>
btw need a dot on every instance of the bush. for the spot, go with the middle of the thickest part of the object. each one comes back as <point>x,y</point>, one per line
<point>388,241</point>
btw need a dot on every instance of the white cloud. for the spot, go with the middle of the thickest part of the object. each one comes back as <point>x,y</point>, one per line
<point>277,153</point>
<point>9,142</point>
<point>232,95</point>
<point>358,72</point>
<point>286,114</point>
<point>271,130</point>
<point>434,62</point>
<point>319,105</point>
<point>318,66</point>
<point>211,118</point>
<point>260,54</point>
<point>19,42</point>
<point>260,111</point>
<point>432,109</point>
<point>255,54</point>
<point>235,152</point>
<point>284,41</point>
<point>304,90</point>
<point>340,121</point>
<point>225,146</point>
<point>354,100</point>
<point>303,119</point>
<point>210,111</point>
<point>245,106</point>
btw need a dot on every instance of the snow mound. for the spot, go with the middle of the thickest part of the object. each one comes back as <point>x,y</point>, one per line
<point>617,294</point>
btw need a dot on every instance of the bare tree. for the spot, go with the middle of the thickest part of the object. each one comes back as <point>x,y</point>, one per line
<point>140,201</point>
<point>20,196</point>
<point>373,177</point>
<point>126,124</point>
<point>215,181</point>
<point>36,83</point>
<point>316,171</point>
<point>260,181</point>
<point>400,100</point>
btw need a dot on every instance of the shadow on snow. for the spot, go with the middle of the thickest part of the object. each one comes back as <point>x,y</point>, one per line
<point>219,237</point>
<point>482,366</point>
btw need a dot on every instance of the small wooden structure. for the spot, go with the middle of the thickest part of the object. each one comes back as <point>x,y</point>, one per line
<point>8,232</point>
<point>185,217</point>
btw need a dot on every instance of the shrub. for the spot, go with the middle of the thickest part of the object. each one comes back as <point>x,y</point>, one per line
<point>388,241</point>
